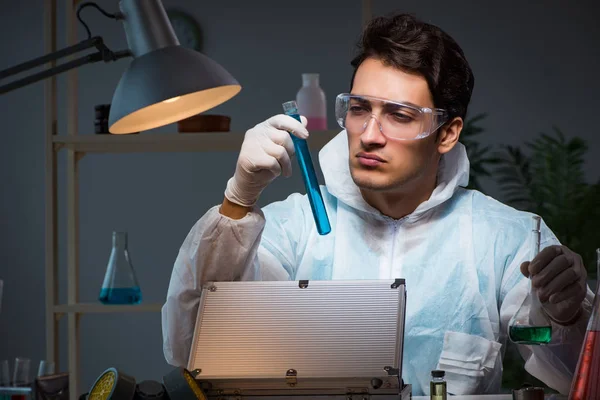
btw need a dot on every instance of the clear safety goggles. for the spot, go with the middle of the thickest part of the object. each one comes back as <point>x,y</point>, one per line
<point>396,120</point>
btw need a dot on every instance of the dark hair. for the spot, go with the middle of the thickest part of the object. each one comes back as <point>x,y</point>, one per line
<point>414,46</point>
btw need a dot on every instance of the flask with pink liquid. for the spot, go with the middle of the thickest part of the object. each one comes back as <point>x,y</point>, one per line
<point>311,103</point>
<point>586,382</point>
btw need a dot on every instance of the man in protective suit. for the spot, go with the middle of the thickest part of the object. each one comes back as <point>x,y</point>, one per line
<point>395,195</point>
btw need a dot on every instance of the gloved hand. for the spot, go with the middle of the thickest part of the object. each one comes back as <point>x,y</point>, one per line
<point>559,278</point>
<point>266,152</point>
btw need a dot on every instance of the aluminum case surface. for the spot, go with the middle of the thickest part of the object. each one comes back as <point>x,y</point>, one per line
<point>311,339</point>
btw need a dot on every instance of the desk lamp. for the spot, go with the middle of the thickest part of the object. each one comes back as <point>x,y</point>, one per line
<point>164,83</point>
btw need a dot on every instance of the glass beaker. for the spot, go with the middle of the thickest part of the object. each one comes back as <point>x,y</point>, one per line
<point>21,375</point>
<point>120,284</point>
<point>4,379</point>
<point>45,368</point>
<point>4,373</point>
<point>586,381</point>
<point>530,324</point>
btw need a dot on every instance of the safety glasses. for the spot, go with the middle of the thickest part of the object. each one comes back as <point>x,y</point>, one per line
<point>396,120</point>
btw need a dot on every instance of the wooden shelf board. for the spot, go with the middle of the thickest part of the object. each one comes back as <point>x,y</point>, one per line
<point>168,142</point>
<point>95,308</point>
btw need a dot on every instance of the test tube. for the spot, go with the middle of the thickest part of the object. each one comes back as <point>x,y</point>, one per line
<point>308,174</point>
<point>536,224</point>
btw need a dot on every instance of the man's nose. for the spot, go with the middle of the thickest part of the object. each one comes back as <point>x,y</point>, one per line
<point>373,132</point>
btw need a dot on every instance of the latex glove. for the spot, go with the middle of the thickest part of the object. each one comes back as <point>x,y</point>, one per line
<point>265,154</point>
<point>559,278</point>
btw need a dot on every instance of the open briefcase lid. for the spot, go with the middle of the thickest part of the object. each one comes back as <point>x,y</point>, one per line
<point>300,337</point>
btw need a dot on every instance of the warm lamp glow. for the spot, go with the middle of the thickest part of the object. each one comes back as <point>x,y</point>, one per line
<point>165,82</point>
<point>169,111</point>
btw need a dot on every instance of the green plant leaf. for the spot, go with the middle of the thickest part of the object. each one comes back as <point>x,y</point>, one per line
<point>479,157</point>
<point>549,180</point>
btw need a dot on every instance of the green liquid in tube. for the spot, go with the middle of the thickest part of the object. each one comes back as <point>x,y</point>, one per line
<point>530,325</point>
<point>530,334</point>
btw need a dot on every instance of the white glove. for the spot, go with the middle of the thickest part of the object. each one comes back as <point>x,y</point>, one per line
<point>266,152</point>
<point>560,280</point>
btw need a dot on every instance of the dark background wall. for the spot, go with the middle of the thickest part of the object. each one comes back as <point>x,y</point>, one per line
<point>535,66</point>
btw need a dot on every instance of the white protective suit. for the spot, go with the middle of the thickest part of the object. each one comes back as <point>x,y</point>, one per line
<point>460,253</point>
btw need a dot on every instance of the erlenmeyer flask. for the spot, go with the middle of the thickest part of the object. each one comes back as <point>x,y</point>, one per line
<point>531,325</point>
<point>120,284</point>
<point>586,381</point>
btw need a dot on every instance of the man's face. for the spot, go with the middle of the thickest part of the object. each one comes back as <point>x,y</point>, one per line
<point>404,163</point>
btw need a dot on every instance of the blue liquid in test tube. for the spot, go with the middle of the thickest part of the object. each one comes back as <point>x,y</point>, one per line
<point>308,175</point>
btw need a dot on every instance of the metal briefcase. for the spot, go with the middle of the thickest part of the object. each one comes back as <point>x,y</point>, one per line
<point>306,339</point>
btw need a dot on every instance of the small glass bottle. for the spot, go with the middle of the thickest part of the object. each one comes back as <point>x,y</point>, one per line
<point>311,103</point>
<point>120,284</point>
<point>437,386</point>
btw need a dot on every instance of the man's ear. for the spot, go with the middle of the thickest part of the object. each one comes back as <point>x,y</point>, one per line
<point>449,135</point>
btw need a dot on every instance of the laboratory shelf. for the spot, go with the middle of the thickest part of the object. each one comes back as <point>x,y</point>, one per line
<point>74,143</point>
<point>95,308</point>
<point>168,142</point>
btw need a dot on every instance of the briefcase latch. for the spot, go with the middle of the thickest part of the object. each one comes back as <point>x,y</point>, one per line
<point>291,377</point>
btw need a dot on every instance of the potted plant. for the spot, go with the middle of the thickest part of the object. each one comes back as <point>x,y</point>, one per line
<point>548,179</point>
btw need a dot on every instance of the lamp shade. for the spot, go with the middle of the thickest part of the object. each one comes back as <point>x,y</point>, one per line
<point>165,82</point>
<point>168,85</point>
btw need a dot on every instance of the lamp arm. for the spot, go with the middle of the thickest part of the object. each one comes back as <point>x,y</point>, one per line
<point>103,54</point>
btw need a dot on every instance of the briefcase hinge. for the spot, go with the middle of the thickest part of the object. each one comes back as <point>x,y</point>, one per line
<point>291,377</point>
<point>357,393</point>
<point>397,283</point>
<point>358,396</point>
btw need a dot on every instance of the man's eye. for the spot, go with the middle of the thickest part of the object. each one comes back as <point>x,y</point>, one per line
<point>400,117</point>
<point>357,109</point>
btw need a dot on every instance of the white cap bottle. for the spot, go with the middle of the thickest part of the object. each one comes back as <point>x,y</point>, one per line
<point>312,103</point>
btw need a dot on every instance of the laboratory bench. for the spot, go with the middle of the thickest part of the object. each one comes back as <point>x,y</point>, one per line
<point>483,397</point>
<point>492,397</point>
